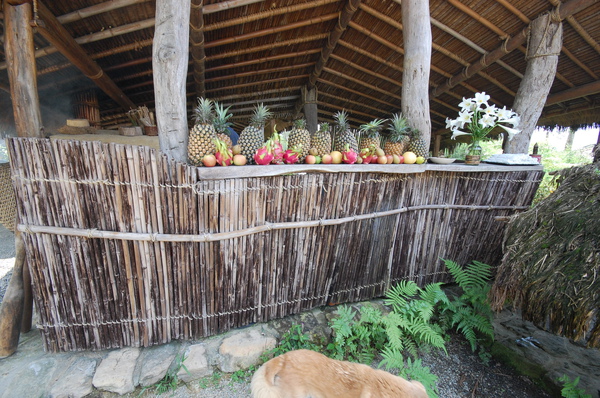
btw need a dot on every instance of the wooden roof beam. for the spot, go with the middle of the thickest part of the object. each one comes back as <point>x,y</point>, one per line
<point>197,46</point>
<point>579,29</point>
<point>568,53</point>
<point>437,47</point>
<point>510,44</point>
<point>343,20</point>
<point>574,93</point>
<point>56,34</point>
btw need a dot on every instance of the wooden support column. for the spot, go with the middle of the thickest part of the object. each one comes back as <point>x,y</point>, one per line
<point>19,48</point>
<point>20,59</point>
<point>170,53</point>
<point>197,46</point>
<point>309,99</point>
<point>417,65</point>
<point>11,310</point>
<point>543,49</point>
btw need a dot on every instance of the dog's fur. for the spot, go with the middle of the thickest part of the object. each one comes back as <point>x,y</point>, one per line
<point>304,374</point>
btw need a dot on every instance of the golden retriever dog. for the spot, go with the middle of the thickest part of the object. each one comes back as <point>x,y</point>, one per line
<point>308,374</point>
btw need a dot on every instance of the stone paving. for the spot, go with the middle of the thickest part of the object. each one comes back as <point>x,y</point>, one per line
<point>32,373</point>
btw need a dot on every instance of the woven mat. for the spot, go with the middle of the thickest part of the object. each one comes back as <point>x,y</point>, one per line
<point>8,206</point>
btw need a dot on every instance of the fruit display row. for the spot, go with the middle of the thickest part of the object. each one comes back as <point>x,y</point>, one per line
<point>209,142</point>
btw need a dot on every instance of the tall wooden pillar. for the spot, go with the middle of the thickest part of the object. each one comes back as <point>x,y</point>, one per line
<point>417,64</point>
<point>170,53</point>
<point>22,72</point>
<point>309,98</point>
<point>543,48</point>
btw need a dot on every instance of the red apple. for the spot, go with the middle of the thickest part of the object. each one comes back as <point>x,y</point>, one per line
<point>327,159</point>
<point>310,159</point>
<point>382,159</point>
<point>390,159</point>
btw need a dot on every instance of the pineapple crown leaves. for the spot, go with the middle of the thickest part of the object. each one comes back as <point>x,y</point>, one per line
<point>204,112</point>
<point>221,121</point>
<point>300,124</point>
<point>398,127</point>
<point>341,118</point>
<point>324,127</point>
<point>260,115</point>
<point>372,128</point>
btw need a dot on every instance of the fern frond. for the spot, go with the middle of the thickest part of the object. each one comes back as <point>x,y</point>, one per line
<point>397,295</point>
<point>414,370</point>
<point>392,358</point>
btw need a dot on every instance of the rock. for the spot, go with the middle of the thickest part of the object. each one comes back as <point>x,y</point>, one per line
<point>196,364</point>
<point>28,379</point>
<point>115,372</point>
<point>76,380</point>
<point>243,349</point>
<point>153,364</point>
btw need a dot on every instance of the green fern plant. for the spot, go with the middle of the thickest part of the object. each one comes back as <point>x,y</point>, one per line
<point>409,369</point>
<point>470,313</point>
<point>570,389</point>
<point>411,324</point>
<point>357,339</point>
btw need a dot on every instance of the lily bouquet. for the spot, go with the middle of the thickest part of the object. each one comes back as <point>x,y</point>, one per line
<point>479,118</point>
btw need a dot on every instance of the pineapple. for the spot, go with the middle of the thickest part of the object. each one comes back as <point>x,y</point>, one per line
<point>202,136</point>
<point>222,124</point>
<point>300,138</point>
<point>399,136</point>
<point>344,135</point>
<point>253,136</point>
<point>370,134</point>
<point>417,144</point>
<point>321,140</point>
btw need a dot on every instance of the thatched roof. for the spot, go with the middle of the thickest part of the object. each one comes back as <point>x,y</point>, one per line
<point>265,51</point>
<point>550,269</point>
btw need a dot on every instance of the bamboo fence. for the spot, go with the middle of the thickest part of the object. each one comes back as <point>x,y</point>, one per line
<point>128,248</point>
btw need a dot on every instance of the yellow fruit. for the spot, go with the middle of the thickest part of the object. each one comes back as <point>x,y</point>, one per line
<point>336,157</point>
<point>409,157</point>
<point>420,160</point>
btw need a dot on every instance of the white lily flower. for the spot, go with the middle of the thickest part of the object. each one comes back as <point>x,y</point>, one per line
<point>467,103</point>
<point>456,133</point>
<point>463,118</point>
<point>491,110</point>
<point>504,114</point>
<point>449,123</point>
<point>511,132</point>
<point>481,99</point>
<point>487,121</point>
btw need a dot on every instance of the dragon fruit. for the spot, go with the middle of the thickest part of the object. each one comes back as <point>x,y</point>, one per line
<point>264,155</point>
<point>277,148</point>
<point>348,155</point>
<point>368,155</point>
<point>291,156</point>
<point>224,155</point>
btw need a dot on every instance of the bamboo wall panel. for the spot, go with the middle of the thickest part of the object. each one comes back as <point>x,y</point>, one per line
<point>127,248</point>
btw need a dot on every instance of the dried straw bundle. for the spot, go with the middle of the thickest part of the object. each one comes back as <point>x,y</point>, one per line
<point>551,265</point>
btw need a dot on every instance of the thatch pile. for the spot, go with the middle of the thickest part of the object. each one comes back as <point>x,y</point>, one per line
<point>551,265</point>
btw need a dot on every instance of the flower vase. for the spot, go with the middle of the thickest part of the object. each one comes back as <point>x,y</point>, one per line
<point>473,156</point>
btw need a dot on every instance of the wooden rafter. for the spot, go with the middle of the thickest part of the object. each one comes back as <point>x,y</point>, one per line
<point>573,93</point>
<point>509,45</point>
<point>56,34</point>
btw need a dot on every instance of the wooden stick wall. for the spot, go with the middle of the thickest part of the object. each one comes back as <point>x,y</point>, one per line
<point>129,249</point>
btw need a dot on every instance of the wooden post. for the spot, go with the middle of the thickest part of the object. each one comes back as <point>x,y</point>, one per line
<point>309,98</point>
<point>437,144</point>
<point>170,53</point>
<point>11,310</point>
<point>417,65</point>
<point>543,48</point>
<point>197,46</point>
<point>22,73</point>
